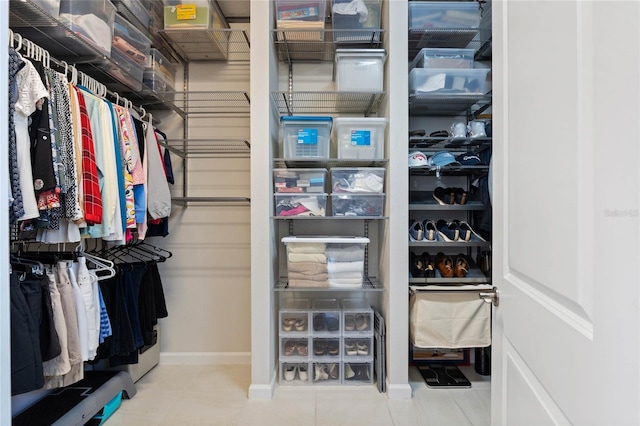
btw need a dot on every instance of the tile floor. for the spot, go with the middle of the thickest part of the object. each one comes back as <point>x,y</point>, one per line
<point>217,395</point>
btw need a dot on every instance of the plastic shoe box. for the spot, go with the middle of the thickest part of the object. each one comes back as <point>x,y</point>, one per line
<point>357,204</point>
<point>299,180</point>
<point>357,180</point>
<point>125,70</point>
<point>159,63</point>
<point>130,41</point>
<point>325,316</point>
<point>360,138</point>
<point>358,348</point>
<point>342,257</point>
<point>295,349</point>
<point>90,20</point>
<point>326,349</point>
<point>52,7</point>
<point>357,317</point>
<point>343,17</point>
<point>326,373</point>
<point>358,373</point>
<point>300,204</point>
<point>443,58</point>
<point>295,377</point>
<point>360,70</point>
<point>193,14</point>
<point>294,318</point>
<point>305,18</point>
<point>306,137</point>
<point>448,82</point>
<point>443,14</point>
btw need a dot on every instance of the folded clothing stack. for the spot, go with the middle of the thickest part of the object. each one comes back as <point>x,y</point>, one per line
<point>307,264</point>
<point>345,265</point>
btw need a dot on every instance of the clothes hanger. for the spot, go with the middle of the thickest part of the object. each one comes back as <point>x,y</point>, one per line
<point>34,266</point>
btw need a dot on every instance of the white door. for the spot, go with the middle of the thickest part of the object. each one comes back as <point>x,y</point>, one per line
<point>566,212</point>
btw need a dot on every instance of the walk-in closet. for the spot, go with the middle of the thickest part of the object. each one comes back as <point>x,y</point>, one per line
<point>320,212</point>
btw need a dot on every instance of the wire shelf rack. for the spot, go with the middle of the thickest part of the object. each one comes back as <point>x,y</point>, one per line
<point>364,103</point>
<point>209,45</point>
<point>207,147</point>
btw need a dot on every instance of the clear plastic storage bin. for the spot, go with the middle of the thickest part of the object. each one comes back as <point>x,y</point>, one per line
<point>357,204</point>
<point>90,20</point>
<point>443,58</point>
<point>358,347</point>
<point>357,180</point>
<point>360,138</point>
<point>52,7</point>
<point>357,21</point>
<point>138,9</point>
<point>158,62</point>
<point>157,82</point>
<point>443,14</point>
<point>122,68</point>
<point>298,373</point>
<point>326,348</point>
<point>327,373</point>
<point>360,70</point>
<point>448,81</point>
<point>306,137</point>
<point>130,41</point>
<point>304,18</point>
<point>196,14</point>
<point>291,205</point>
<point>299,180</point>
<point>294,349</point>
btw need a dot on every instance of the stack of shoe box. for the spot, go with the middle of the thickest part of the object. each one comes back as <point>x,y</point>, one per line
<point>326,342</point>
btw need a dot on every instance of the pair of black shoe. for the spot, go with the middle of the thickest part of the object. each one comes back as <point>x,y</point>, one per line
<point>322,322</point>
<point>422,266</point>
<point>449,196</point>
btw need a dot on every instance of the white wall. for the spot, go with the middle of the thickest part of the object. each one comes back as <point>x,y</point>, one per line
<point>207,281</point>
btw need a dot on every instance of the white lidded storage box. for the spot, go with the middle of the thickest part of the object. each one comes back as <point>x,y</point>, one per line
<point>448,81</point>
<point>92,21</point>
<point>299,180</point>
<point>360,70</point>
<point>357,179</point>
<point>320,262</point>
<point>443,58</point>
<point>360,138</point>
<point>306,137</point>
<point>443,14</point>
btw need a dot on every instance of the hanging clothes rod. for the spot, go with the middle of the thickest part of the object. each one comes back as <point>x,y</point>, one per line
<point>37,53</point>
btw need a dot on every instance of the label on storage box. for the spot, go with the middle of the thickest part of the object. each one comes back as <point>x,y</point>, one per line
<point>298,12</point>
<point>360,138</point>
<point>308,136</point>
<point>186,12</point>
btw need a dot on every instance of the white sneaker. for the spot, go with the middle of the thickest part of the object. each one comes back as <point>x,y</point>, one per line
<point>290,372</point>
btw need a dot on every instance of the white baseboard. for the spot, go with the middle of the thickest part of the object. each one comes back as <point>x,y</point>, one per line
<point>398,391</point>
<point>204,358</point>
<point>263,392</point>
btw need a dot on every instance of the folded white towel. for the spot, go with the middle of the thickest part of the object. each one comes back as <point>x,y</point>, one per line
<point>356,6</point>
<point>340,267</point>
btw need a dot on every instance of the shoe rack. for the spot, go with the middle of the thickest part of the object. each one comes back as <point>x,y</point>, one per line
<point>449,198</point>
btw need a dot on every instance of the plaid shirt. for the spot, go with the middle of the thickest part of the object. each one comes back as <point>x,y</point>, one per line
<point>92,202</point>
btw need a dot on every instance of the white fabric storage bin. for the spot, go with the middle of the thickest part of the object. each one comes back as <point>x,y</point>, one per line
<point>360,138</point>
<point>458,319</point>
<point>360,70</point>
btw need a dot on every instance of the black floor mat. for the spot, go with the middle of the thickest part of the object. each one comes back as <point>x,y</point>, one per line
<point>60,401</point>
<point>443,376</point>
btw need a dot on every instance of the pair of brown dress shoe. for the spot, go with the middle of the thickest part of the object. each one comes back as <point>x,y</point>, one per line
<point>449,268</point>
